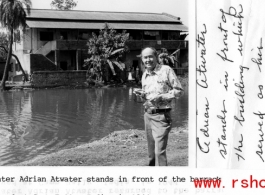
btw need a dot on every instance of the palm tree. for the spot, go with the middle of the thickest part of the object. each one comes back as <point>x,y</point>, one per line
<point>12,16</point>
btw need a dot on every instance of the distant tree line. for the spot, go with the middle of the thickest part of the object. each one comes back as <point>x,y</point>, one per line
<point>63,4</point>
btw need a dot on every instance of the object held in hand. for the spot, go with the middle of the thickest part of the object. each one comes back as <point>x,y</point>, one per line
<point>139,95</point>
<point>138,91</point>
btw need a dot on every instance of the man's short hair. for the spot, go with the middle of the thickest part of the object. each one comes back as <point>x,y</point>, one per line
<point>153,49</point>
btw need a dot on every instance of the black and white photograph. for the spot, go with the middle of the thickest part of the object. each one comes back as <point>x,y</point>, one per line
<point>93,94</point>
<point>94,83</point>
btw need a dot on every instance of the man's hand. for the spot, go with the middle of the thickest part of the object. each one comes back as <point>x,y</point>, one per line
<point>139,92</point>
<point>162,97</point>
<point>156,99</point>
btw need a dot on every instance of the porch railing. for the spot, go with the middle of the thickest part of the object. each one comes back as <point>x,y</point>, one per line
<point>132,44</point>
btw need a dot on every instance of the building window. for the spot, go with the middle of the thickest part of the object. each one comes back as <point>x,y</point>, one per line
<point>170,35</point>
<point>17,68</point>
<point>64,35</point>
<point>83,35</point>
<point>46,36</point>
<point>135,35</point>
<point>17,36</point>
<point>63,65</point>
<point>151,35</point>
<point>164,35</point>
<point>173,35</point>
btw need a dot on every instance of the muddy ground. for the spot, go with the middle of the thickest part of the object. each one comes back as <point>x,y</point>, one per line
<point>120,148</point>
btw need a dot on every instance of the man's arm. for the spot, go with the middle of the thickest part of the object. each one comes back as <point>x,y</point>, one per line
<point>176,87</point>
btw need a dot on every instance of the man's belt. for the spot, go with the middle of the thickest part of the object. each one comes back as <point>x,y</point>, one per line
<point>155,111</point>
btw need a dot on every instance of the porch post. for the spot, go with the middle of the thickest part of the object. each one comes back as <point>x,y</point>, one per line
<point>57,58</point>
<point>78,56</point>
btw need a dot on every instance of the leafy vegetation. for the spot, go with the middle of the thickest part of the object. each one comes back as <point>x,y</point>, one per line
<point>63,4</point>
<point>168,59</point>
<point>3,43</point>
<point>105,52</point>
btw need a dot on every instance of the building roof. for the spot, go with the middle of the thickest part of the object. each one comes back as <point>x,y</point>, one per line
<point>40,18</point>
<point>99,15</point>
<point>92,25</point>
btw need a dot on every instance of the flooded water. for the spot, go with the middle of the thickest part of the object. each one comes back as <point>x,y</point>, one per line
<point>39,122</point>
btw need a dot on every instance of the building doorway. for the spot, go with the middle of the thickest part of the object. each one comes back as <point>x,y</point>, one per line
<point>63,65</point>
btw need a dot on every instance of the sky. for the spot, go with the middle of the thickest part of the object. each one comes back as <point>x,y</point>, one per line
<point>177,8</point>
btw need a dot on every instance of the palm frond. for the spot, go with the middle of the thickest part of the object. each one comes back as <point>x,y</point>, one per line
<point>12,13</point>
<point>175,52</point>
<point>111,67</point>
<point>172,59</point>
<point>116,51</point>
<point>121,66</point>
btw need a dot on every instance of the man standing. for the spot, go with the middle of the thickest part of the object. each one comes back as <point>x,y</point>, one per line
<point>160,85</point>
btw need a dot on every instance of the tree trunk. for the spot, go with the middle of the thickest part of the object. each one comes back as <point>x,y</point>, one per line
<point>25,76</point>
<point>3,86</point>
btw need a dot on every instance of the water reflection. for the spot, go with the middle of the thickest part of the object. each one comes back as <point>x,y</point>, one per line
<point>38,122</point>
